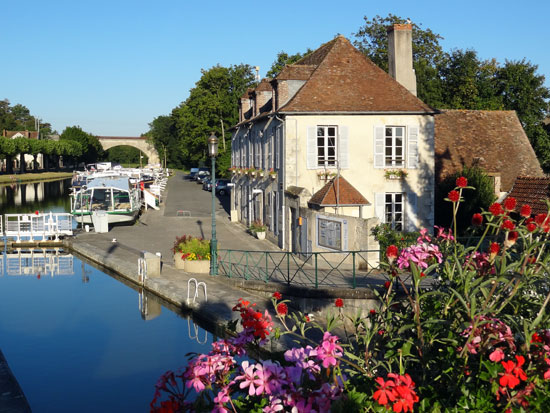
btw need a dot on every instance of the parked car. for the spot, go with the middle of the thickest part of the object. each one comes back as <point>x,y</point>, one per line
<point>207,184</point>
<point>195,172</point>
<point>201,175</point>
<point>223,186</point>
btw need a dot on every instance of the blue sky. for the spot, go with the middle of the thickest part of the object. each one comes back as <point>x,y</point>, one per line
<point>113,66</point>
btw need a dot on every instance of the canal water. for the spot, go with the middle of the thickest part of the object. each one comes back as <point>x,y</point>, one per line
<point>78,339</point>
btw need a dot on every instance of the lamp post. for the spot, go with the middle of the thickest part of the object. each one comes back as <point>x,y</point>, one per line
<point>213,152</point>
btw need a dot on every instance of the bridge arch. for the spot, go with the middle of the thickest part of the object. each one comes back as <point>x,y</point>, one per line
<point>108,142</point>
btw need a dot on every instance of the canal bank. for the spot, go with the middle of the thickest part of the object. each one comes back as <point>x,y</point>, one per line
<point>120,249</point>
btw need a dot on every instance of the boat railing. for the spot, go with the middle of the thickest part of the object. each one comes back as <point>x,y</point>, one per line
<point>38,262</point>
<point>38,226</point>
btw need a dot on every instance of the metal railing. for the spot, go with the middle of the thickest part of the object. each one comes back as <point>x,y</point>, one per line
<point>44,262</point>
<point>350,269</point>
<point>34,226</point>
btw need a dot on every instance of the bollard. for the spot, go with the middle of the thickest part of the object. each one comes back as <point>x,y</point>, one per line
<point>153,264</point>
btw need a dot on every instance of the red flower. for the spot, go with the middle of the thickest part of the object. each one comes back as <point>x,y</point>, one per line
<point>508,225</point>
<point>385,392</point>
<point>512,238</point>
<point>387,285</point>
<point>525,211</point>
<point>494,249</point>
<point>531,227</point>
<point>453,196</point>
<point>461,182</point>
<point>536,338</point>
<point>510,203</point>
<point>422,275</point>
<point>513,373</point>
<point>391,253</point>
<point>282,309</point>
<point>372,312</point>
<point>477,220</point>
<point>277,295</point>
<point>540,219</point>
<point>496,209</point>
<point>307,318</point>
<point>339,303</point>
<point>36,212</point>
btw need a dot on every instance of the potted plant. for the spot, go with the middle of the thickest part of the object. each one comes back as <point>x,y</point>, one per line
<point>272,173</point>
<point>252,171</point>
<point>325,175</point>
<point>258,229</point>
<point>192,254</point>
<point>396,174</point>
<point>233,169</point>
<point>260,172</point>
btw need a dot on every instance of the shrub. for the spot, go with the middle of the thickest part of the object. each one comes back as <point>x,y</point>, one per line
<point>257,226</point>
<point>387,236</point>
<point>192,248</point>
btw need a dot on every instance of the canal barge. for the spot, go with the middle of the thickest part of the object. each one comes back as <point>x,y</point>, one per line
<point>116,196</point>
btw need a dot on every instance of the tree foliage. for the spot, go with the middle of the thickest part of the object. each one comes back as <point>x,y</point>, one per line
<point>19,118</point>
<point>91,147</point>
<point>284,59</point>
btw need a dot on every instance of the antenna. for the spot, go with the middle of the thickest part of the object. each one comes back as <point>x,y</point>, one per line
<point>257,68</point>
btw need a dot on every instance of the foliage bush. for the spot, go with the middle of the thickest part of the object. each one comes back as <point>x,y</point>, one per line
<point>467,330</point>
<point>192,248</point>
<point>474,201</point>
<point>386,236</point>
<point>257,226</point>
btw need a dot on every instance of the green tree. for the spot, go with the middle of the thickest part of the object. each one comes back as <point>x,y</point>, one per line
<point>165,138</point>
<point>8,149</point>
<point>284,59</point>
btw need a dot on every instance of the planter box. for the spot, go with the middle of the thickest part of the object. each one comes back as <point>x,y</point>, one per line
<point>178,262</point>
<point>260,235</point>
<point>198,266</point>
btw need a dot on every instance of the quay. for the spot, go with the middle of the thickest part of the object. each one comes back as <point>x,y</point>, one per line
<point>120,249</point>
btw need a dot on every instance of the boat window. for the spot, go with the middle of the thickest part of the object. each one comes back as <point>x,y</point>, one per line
<point>101,199</point>
<point>122,199</point>
<point>78,203</point>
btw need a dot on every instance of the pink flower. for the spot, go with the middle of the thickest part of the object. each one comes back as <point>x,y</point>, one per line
<point>249,379</point>
<point>497,355</point>
<point>329,350</point>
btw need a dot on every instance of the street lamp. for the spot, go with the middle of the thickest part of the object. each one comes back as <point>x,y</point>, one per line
<point>213,152</point>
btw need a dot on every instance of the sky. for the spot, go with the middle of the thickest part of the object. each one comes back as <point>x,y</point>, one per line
<point>112,66</point>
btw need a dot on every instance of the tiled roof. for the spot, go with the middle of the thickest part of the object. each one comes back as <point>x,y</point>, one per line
<point>532,191</point>
<point>346,81</point>
<point>492,140</point>
<point>296,72</point>
<point>264,86</point>
<point>24,133</point>
<point>338,188</point>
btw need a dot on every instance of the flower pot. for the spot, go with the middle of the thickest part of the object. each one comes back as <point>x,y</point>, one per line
<point>260,234</point>
<point>178,262</point>
<point>273,176</point>
<point>198,266</point>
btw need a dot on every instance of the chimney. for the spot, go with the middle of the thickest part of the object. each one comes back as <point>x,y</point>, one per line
<point>400,56</point>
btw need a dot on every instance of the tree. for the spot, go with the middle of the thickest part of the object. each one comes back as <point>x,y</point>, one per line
<point>91,147</point>
<point>284,59</point>
<point>165,138</point>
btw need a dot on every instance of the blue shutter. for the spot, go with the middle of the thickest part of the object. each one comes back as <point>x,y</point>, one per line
<point>311,147</point>
<point>379,146</point>
<point>412,156</point>
<point>343,152</point>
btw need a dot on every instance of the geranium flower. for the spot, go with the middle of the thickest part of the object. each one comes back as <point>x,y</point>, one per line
<point>496,209</point>
<point>525,211</point>
<point>385,392</point>
<point>477,220</point>
<point>461,182</point>
<point>510,203</point>
<point>453,196</point>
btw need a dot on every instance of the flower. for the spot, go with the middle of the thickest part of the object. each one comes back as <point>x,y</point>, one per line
<point>510,203</point>
<point>277,295</point>
<point>329,350</point>
<point>462,182</point>
<point>391,253</point>
<point>372,312</point>
<point>339,303</point>
<point>453,196</point>
<point>531,227</point>
<point>511,238</point>
<point>400,391</point>
<point>496,209</point>
<point>282,309</point>
<point>525,211</point>
<point>387,285</point>
<point>541,219</point>
<point>513,373</point>
<point>477,220</point>
<point>508,225</point>
<point>494,250</point>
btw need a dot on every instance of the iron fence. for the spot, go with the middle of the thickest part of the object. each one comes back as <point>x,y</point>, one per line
<point>350,269</point>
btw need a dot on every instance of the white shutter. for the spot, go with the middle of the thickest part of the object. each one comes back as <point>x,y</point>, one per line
<point>343,153</point>
<point>412,156</point>
<point>270,152</point>
<point>311,147</point>
<point>379,206</point>
<point>411,217</point>
<point>379,146</point>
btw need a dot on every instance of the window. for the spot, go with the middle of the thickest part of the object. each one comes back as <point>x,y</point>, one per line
<point>394,146</point>
<point>326,145</point>
<point>393,210</point>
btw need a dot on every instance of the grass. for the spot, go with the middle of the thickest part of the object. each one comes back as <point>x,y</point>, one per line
<point>30,177</point>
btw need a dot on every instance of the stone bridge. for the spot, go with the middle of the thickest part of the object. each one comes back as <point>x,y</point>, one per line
<point>139,142</point>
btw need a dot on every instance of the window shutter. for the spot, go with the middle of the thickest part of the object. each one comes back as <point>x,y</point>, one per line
<point>379,147</point>
<point>343,153</point>
<point>412,158</point>
<point>410,219</point>
<point>379,206</point>
<point>311,147</point>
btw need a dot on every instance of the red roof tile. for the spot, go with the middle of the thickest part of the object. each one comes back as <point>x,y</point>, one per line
<point>346,81</point>
<point>492,140</point>
<point>341,189</point>
<point>533,191</point>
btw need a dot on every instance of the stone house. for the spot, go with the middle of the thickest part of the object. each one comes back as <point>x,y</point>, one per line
<point>29,159</point>
<point>320,151</point>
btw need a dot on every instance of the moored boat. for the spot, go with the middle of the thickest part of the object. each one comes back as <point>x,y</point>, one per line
<point>116,196</point>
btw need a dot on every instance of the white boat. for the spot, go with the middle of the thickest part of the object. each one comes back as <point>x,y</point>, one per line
<point>114,195</point>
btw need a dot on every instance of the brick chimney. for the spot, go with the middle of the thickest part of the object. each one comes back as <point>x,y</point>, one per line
<point>245,106</point>
<point>400,56</point>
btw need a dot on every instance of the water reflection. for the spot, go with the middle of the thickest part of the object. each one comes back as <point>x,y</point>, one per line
<point>42,196</point>
<point>37,262</point>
